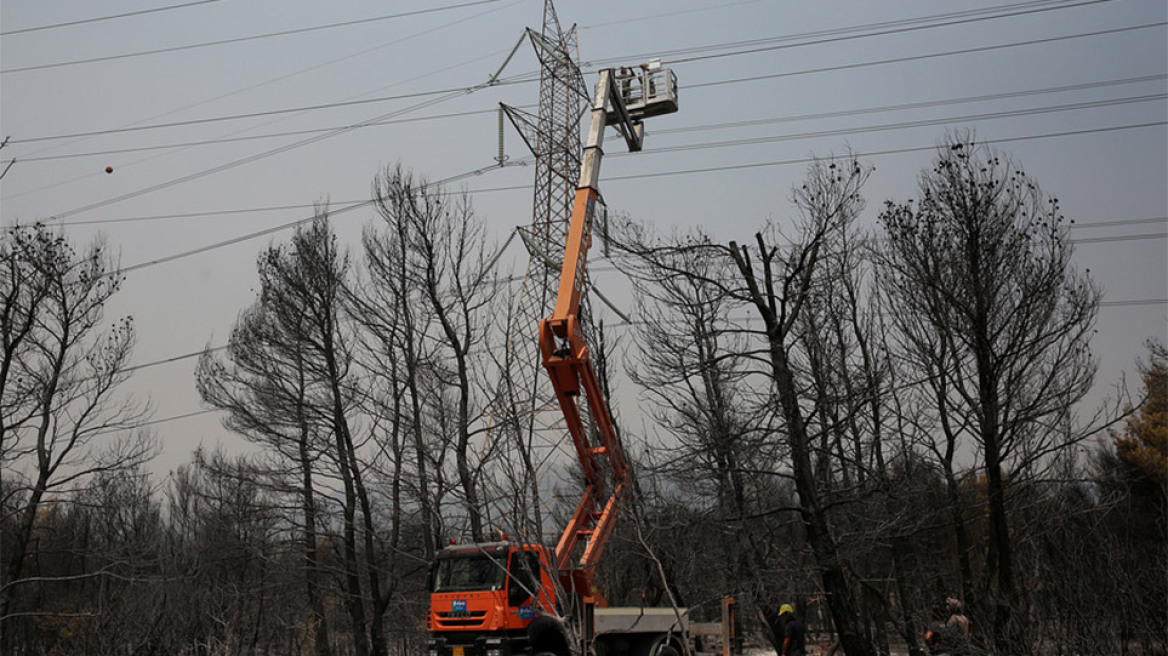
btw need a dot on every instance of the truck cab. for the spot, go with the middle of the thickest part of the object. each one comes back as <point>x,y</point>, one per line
<point>485,597</point>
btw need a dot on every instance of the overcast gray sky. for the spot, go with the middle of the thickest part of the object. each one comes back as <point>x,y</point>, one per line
<point>224,118</point>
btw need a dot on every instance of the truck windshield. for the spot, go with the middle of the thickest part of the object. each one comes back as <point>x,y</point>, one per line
<point>470,572</point>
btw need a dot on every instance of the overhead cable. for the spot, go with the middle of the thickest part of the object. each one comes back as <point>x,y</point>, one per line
<point>944,120</point>
<point>891,151</point>
<point>253,137</point>
<point>254,37</point>
<point>870,29</point>
<point>803,160</point>
<point>290,224</point>
<point>263,155</point>
<point>694,128</point>
<point>270,112</point>
<point>925,104</point>
<point>911,58</point>
<point>526,78</point>
<point>1114,238</point>
<point>84,21</point>
<point>849,34</point>
<point>480,171</point>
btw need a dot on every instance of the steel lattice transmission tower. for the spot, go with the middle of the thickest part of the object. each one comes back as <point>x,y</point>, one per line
<point>553,136</point>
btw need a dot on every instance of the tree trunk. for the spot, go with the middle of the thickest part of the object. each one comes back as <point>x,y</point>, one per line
<point>1007,630</point>
<point>833,576</point>
<point>823,547</point>
<point>354,598</point>
<point>19,546</point>
<point>321,645</point>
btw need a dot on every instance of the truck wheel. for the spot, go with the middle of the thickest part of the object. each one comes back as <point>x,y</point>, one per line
<point>547,638</point>
<point>667,649</point>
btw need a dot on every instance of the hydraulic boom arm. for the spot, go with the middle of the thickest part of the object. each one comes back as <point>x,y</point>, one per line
<point>565,353</point>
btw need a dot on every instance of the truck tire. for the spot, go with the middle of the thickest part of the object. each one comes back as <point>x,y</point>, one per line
<point>547,638</point>
<point>667,649</point>
<point>664,646</point>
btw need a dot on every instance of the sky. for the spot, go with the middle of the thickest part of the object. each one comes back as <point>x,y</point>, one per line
<point>224,121</point>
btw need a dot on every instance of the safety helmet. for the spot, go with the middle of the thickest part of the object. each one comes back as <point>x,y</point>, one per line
<point>786,609</point>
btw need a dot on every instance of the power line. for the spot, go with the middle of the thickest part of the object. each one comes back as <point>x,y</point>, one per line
<point>475,172</point>
<point>265,113</point>
<point>926,104</point>
<point>751,141</point>
<point>382,120</point>
<point>419,94</point>
<point>413,35</point>
<point>1102,304</point>
<point>1134,302</point>
<point>236,240</point>
<point>185,356</point>
<point>367,123</point>
<point>912,58</point>
<point>986,13</point>
<point>897,27</point>
<point>220,42</point>
<point>239,162</point>
<point>268,231</point>
<point>104,18</point>
<point>242,39</point>
<point>1121,222</point>
<point>155,422</point>
<point>262,155</point>
<point>747,319</point>
<point>242,238</point>
<point>525,79</point>
<point>697,128</point>
<point>891,151</point>
<point>191,215</point>
<point>173,359</point>
<point>347,127</point>
<point>337,131</point>
<point>254,137</point>
<point>1113,238</point>
<point>670,14</point>
<point>482,190</point>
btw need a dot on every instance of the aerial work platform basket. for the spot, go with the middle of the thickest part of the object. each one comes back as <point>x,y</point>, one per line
<point>648,90</point>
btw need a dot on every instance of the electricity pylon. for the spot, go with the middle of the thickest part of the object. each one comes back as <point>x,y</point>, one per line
<point>553,136</point>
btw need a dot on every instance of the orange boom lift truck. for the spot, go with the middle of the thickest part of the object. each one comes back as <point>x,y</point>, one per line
<point>506,598</point>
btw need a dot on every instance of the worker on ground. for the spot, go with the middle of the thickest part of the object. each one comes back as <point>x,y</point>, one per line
<point>957,622</point>
<point>951,636</point>
<point>957,625</point>
<point>794,642</point>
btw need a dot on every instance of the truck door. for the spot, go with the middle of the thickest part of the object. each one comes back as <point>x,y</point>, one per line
<point>523,580</point>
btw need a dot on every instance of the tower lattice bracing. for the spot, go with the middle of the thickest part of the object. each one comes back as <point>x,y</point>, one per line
<point>525,401</point>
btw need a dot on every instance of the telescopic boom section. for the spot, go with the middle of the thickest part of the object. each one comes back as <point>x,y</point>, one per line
<point>565,353</point>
